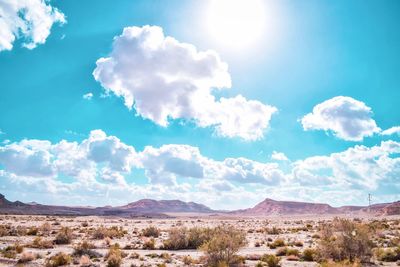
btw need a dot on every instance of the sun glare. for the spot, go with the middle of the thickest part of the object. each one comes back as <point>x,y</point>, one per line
<point>236,23</point>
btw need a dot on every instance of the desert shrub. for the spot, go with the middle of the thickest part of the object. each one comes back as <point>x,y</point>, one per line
<point>292,252</point>
<point>298,244</point>
<point>271,260</point>
<point>114,256</point>
<point>279,242</point>
<point>59,259</point>
<point>32,231</point>
<point>45,228</point>
<point>64,236</point>
<point>111,232</point>
<point>149,244</point>
<point>151,231</point>
<point>40,243</point>
<point>27,257</point>
<point>344,263</point>
<point>222,247</point>
<point>308,254</point>
<point>187,260</point>
<point>4,231</point>
<point>273,231</point>
<point>184,238</point>
<point>85,248</point>
<point>9,252</point>
<point>388,254</point>
<point>345,240</point>
<point>281,251</point>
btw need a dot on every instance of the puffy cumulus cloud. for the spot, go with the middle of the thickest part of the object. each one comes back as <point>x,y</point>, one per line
<point>165,164</point>
<point>358,167</point>
<point>97,156</point>
<point>100,165</point>
<point>347,118</point>
<point>162,79</point>
<point>29,20</point>
<point>28,158</point>
<point>391,131</point>
<point>280,156</point>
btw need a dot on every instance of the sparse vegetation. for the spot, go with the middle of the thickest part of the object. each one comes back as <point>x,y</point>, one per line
<point>345,240</point>
<point>222,247</point>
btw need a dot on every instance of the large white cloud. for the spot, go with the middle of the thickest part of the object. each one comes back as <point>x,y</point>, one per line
<point>100,166</point>
<point>358,167</point>
<point>164,79</point>
<point>29,20</point>
<point>347,118</point>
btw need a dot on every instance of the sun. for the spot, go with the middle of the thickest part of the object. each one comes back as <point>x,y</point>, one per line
<point>235,23</point>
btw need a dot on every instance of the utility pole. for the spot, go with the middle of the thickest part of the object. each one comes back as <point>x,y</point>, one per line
<point>369,202</point>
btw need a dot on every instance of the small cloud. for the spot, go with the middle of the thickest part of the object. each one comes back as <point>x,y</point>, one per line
<point>391,131</point>
<point>88,96</point>
<point>5,142</point>
<point>1,132</point>
<point>278,156</point>
<point>348,118</point>
<point>62,37</point>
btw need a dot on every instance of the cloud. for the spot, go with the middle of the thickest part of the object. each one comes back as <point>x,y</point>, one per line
<point>391,131</point>
<point>101,165</point>
<point>347,118</point>
<point>163,79</point>
<point>88,96</point>
<point>358,167</point>
<point>279,156</point>
<point>28,20</point>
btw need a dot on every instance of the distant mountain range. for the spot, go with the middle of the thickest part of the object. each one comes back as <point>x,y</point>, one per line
<point>160,208</point>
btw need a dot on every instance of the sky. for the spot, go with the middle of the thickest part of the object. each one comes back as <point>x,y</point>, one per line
<point>220,102</point>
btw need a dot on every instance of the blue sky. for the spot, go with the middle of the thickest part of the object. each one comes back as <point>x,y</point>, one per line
<point>319,90</point>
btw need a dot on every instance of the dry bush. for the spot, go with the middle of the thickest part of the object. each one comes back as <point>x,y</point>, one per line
<point>64,236</point>
<point>388,254</point>
<point>32,231</point>
<point>345,263</point>
<point>184,238</point>
<point>149,244</point>
<point>114,256</point>
<point>59,259</point>
<point>112,232</point>
<point>40,243</point>
<point>345,240</point>
<point>308,254</point>
<point>221,249</point>
<point>271,260</point>
<point>85,248</point>
<point>279,242</point>
<point>45,228</point>
<point>151,231</point>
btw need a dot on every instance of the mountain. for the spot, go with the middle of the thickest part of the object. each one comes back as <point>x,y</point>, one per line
<point>141,208</point>
<point>273,207</point>
<point>270,207</point>
<point>5,203</point>
<point>160,208</point>
<point>146,205</point>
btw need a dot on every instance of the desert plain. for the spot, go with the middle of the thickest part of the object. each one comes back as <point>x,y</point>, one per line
<point>36,240</point>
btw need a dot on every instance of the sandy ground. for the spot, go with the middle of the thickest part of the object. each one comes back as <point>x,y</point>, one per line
<point>298,232</point>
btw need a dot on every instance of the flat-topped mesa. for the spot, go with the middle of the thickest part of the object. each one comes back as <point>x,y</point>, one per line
<point>151,205</point>
<point>275,207</point>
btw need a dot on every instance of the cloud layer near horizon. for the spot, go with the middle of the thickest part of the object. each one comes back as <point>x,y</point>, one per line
<point>163,79</point>
<point>103,164</point>
<point>28,20</point>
